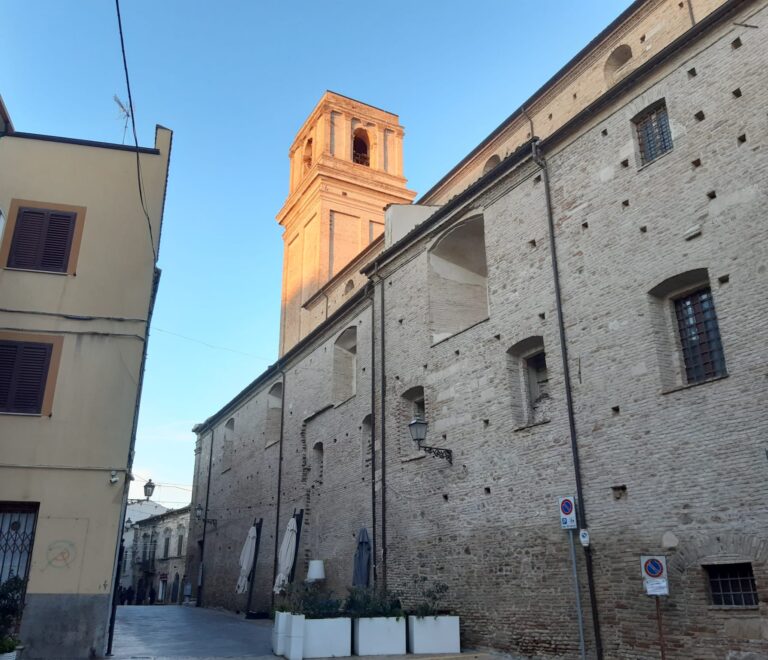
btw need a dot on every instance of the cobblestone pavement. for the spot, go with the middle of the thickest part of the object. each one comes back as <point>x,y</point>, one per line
<point>172,631</point>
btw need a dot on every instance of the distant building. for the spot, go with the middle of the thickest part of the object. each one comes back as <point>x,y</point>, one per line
<point>135,512</point>
<point>158,557</point>
<point>77,287</point>
<point>577,308</point>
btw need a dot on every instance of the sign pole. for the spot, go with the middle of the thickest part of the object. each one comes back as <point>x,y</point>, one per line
<point>662,645</point>
<point>579,613</point>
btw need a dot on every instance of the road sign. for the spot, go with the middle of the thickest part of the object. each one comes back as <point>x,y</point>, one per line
<point>654,571</point>
<point>567,507</point>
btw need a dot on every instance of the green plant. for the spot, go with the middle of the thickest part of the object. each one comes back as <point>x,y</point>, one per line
<point>311,600</point>
<point>11,594</point>
<point>432,595</point>
<point>363,602</point>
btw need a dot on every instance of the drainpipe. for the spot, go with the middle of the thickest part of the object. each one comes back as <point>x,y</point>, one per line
<point>373,428</point>
<point>205,525</point>
<point>581,509</point>
<point>279,485</point>
<point>690,13</point>
<point>383,440</point>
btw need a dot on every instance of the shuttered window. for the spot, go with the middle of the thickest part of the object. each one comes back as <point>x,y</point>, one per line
<point>23,374</point>
<point>42,240</point>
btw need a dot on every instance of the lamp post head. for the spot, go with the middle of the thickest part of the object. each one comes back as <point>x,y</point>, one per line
<point>418,429</point>
<point>199,511</point>
<point>149,488</point>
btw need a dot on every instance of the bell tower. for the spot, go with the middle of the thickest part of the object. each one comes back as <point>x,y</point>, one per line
<point>346,166</point>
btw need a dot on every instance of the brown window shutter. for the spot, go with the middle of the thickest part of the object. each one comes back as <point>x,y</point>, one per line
<point>27,239</point>
<point>23,374</point>
<point>42,240</point>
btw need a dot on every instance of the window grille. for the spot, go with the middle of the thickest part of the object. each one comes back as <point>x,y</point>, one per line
<point>732,585</point>
<point>653,133</point>
<point>700,336</point>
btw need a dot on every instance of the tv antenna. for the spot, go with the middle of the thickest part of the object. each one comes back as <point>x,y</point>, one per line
<point>125,114</point>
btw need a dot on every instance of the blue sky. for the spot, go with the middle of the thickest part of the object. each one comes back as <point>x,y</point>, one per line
<point>235,80</point>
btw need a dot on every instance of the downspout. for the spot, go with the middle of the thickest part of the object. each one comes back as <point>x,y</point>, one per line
<point>383,440</point>
<point>279,485</point>
<point>373,428</point>
<point>690,13</point>
<point>205,525</point>
<point>131,448</point>
<point>581,509</point>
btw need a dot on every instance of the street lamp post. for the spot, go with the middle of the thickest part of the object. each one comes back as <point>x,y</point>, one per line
<point>418,429</point>
<point>149,488</point>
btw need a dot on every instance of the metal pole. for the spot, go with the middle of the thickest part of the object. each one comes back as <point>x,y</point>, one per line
<point>579,613</point>
<point>662,645</point>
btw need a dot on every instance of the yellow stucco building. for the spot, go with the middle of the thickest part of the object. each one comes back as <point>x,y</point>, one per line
<point>77,285</point>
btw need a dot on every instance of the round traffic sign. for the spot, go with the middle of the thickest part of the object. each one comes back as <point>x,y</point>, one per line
<point>566,506</point>
<point>653,568</point>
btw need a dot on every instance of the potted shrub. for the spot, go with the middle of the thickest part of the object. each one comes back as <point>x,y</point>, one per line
<point>430,628</point>
<point>11,593</point>
<point>378,624</point>
<point>284,627</point>
<point>327,632</point>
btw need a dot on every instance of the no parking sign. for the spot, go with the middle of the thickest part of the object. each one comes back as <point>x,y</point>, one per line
<point>567,507</point>
<point>654,572</point>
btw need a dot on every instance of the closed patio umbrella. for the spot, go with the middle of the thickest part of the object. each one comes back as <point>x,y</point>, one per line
<point>362,559</point>
<point>285,556</point>
<point>246,561</point>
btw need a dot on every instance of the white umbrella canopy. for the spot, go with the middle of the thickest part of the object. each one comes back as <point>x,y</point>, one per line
<point>246,561</point>
<point>286,555</point>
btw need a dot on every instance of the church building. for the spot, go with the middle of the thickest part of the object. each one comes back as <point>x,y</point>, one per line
<point>575,310</point>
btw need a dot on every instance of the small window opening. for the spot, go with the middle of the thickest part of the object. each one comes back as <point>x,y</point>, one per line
<point>492,162</point>
<point>317,462</point>
<point>538,378</point>
<point>616,62</point>
<point>732,585</point>
<point>307,159</point>
<point>736,93</point>
<point>361,148</point>
<point>653,132</point>
<point>345,365</point>
<point>700,336</point>
<point>529,381</point>
<point>736,43</point>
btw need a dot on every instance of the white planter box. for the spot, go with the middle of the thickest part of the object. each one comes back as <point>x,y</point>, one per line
<point>280,632</point>
<point>293,648</point>
<point>327,638</point>
<point>379,636</point>
<point>433,634</point>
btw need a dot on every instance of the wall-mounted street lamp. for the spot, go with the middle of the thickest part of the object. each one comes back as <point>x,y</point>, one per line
<point>199,515</point>
<point>149,488</point>
<point>418,429</point>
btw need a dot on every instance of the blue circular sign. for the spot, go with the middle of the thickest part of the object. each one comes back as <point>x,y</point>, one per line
<point>654,568</point>
<point>566,506</point>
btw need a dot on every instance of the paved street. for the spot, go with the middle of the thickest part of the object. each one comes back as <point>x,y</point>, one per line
<point>160,633</point>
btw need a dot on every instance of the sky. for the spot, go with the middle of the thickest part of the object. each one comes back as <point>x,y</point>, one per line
<point>235,80</point>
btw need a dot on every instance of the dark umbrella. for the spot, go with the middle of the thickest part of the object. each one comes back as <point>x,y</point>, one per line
<point>362,559</point>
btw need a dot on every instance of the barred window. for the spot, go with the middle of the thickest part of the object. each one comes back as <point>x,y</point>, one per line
<point>653,134</point>
<point>732,585</point>
<point>700,336</point>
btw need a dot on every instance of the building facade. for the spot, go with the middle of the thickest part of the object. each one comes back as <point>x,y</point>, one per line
<point>575,310</point>
<point>157,558</point>
<point>77,287</point>
<point>135,512</point>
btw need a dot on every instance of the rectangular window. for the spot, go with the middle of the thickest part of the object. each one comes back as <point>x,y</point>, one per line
<point>732,585</point>
<point>166,546</point>
<point>538,379</point>
<point>653,134</point>
<point>42,240</point>
<point>179,545</point>
<point>24,369</point>
<point>700,336</point>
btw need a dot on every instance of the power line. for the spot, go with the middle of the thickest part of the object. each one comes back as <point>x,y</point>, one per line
<point>135,136</point>
<point>204,343</point>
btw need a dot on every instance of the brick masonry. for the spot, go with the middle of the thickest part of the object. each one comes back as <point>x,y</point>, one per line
<point>692,459</point>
